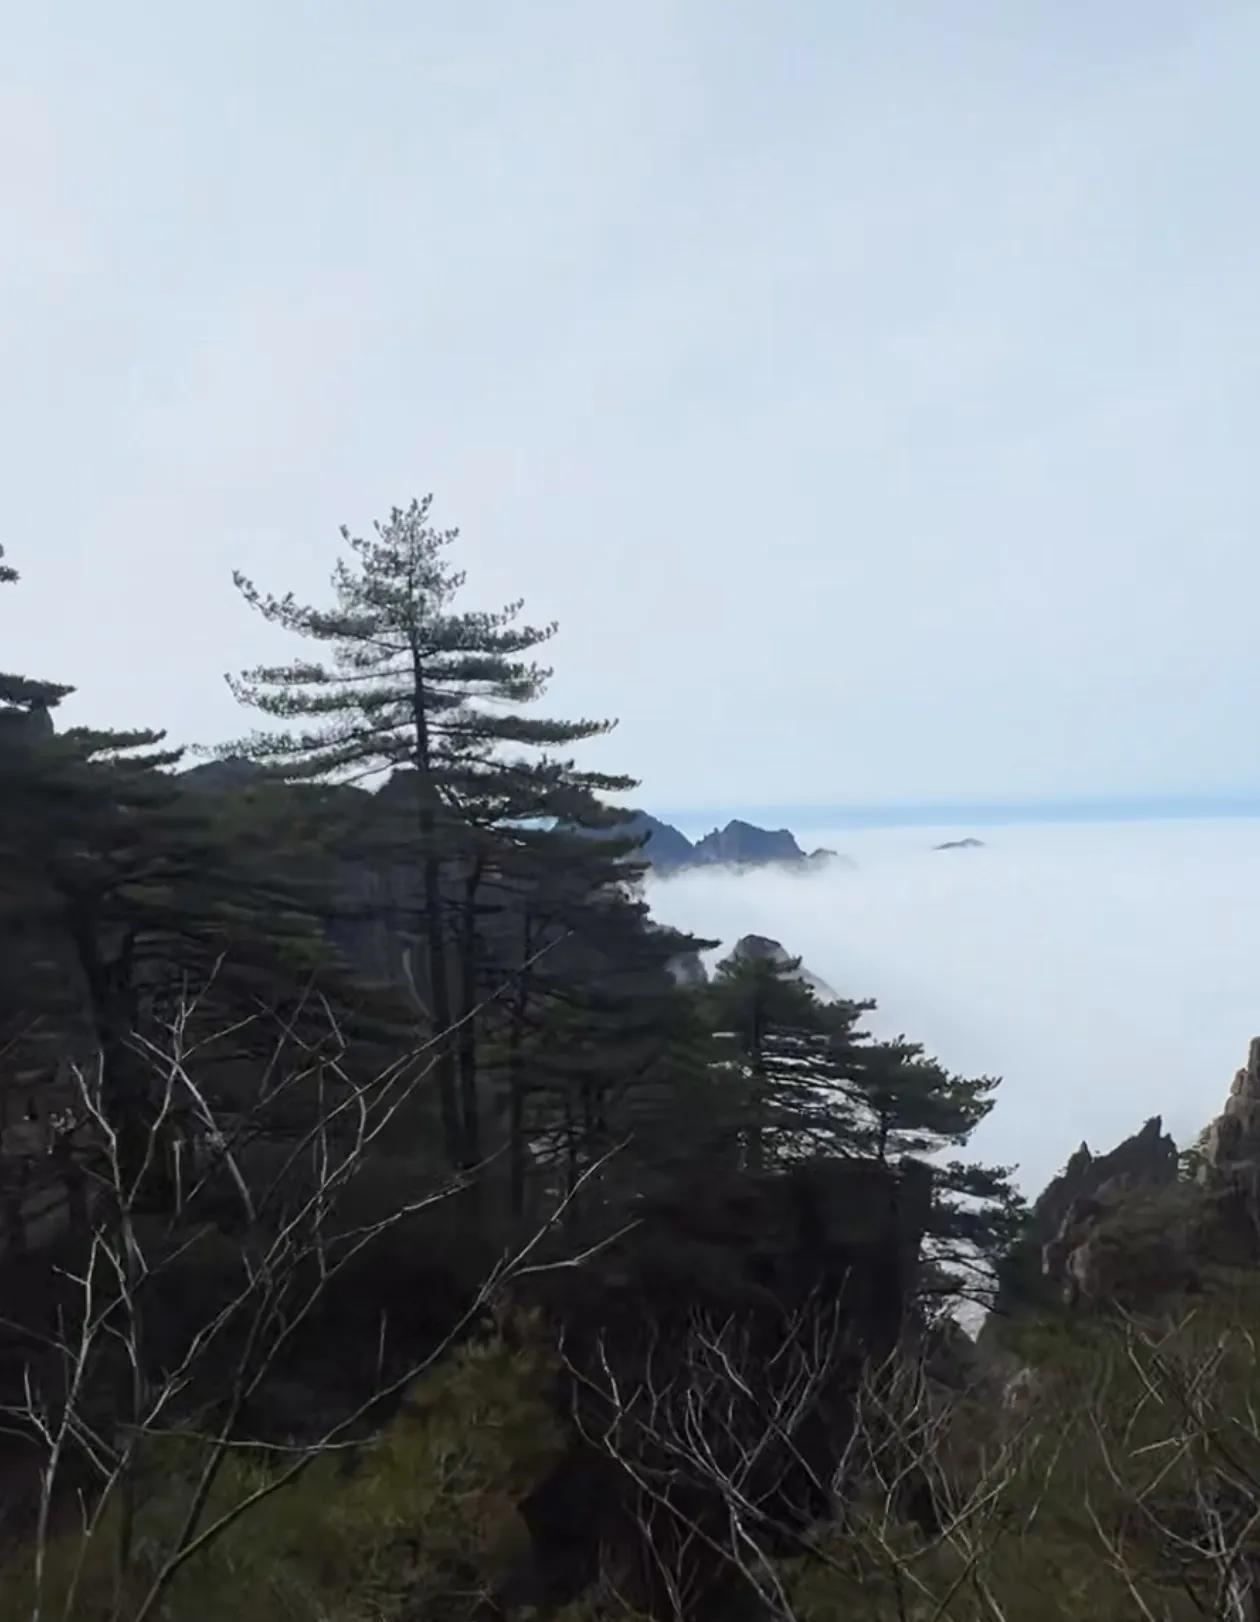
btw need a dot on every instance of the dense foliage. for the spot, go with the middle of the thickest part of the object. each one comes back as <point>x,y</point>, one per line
<point>379,1110</point>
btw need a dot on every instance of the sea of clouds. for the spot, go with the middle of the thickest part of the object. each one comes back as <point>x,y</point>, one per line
<point>1106,972</point>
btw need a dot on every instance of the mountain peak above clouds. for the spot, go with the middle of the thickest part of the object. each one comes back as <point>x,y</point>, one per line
<point>739,845</point>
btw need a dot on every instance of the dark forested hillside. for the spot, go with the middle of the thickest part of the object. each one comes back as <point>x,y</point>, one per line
<point>396,1221</point>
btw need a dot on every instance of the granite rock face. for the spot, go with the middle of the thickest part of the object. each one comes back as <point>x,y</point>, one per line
<point>1129,1227</point>
<point>1147,1159</point>
<point>1227,1172</point>
<point>1098,1222</point>
<point>1231,1146</point>
<point>1129,1245</point>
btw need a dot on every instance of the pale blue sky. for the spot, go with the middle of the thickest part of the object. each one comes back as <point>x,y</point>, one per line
<point>872,391</point>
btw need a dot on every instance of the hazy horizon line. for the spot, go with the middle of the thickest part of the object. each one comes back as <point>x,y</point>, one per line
<point>976,813</point>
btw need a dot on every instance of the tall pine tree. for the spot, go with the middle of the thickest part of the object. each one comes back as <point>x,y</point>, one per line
<point>411,681</point>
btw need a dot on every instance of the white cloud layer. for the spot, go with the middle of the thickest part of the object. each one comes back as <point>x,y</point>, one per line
<point>1107,973</point>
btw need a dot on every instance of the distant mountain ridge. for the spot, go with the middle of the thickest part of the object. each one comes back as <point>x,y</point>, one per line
<point>740,845</point>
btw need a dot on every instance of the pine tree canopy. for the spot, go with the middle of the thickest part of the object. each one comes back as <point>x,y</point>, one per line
<point>411,680</point>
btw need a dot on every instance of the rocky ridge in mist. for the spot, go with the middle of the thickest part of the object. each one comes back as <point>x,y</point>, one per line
<point>1145,1223</point>
<point>738,846</point>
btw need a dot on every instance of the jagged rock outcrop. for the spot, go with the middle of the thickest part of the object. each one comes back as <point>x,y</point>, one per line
<point>1229,1152</point>
<point>1130,1228</point>
<point>740,844</point>
<point>762,946</point>
<point>1083,1256</point>
<point>1148,1159</point>
<point>961,844</point>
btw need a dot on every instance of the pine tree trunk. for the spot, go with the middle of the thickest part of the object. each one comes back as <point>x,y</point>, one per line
<point>435,928</point>
<point>440,996</point>
<point>123,1084</point>
<point>516,1076</point>
<point>571,1155</point>
<point>467,1035</point>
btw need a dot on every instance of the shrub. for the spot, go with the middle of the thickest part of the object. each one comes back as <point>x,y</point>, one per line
<point>422,1522</point>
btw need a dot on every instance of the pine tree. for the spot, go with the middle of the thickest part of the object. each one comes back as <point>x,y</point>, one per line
<point>602,1049</point>
<point>905,1105</point>
<point>156,902</point>
<point>24,702</point>
<point>806,1081</point>
<point>36,1002</point>
<point>786,1094</point>
<point>412,682</point>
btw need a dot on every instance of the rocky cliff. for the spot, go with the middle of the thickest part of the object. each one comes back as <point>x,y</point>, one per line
<point>1141,1224</point>
<point>1228,1155</point>
<point>1087,1253</point>
<point>1147,1159</point>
